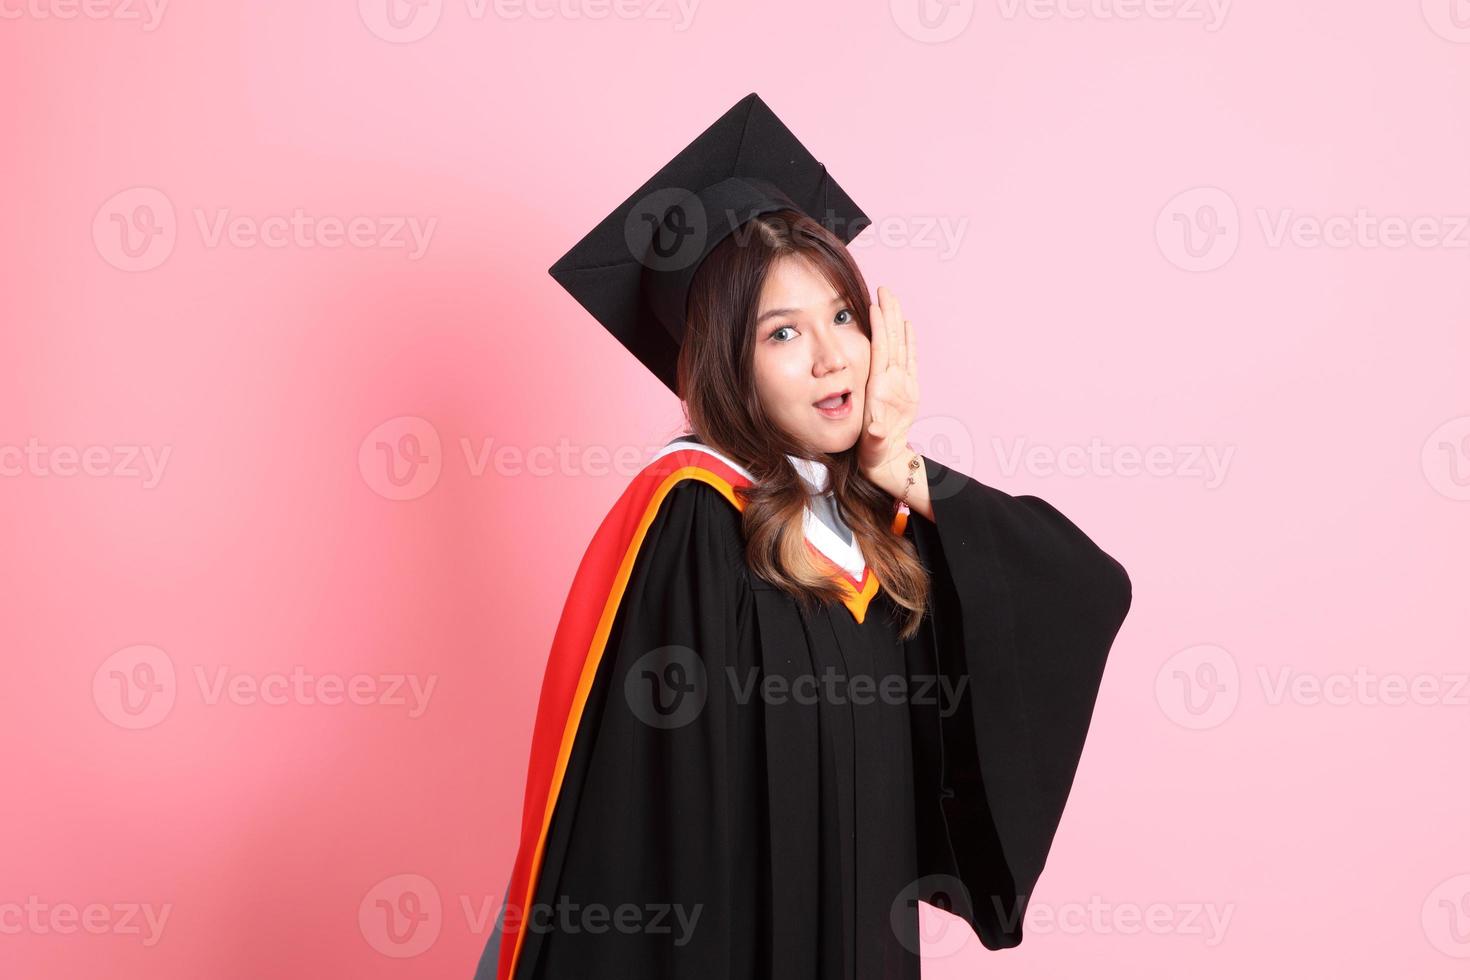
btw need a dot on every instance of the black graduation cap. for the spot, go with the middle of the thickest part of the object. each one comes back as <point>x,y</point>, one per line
<point>632,272</point>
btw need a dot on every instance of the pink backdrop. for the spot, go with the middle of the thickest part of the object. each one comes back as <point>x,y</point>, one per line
<point>301,445</point>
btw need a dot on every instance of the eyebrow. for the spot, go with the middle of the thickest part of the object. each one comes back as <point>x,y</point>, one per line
<point>788,310</point>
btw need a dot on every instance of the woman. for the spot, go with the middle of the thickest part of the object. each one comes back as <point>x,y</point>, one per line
<point>805,677</point>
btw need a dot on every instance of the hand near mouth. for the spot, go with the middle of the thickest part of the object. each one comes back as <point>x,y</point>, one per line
<point>891,399</point>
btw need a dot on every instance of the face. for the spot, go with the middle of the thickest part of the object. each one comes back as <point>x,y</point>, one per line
<point>808,345</point>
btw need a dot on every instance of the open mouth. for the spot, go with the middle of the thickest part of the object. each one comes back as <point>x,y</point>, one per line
<point>836,401</point>
<point>837,406</point>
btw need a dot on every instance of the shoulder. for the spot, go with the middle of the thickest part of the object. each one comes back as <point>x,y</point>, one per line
<point>688,551</point>
<point>699,512</point>
<point>692,484</point>
<point>685,502</point>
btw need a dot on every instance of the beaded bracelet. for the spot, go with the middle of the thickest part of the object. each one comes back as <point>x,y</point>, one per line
<point>913,466</point>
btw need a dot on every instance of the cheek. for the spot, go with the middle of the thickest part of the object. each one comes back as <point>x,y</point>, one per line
<point>767,371</point>
<point>778,380</point>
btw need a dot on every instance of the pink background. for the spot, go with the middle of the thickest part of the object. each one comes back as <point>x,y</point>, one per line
<point>1117,276</point>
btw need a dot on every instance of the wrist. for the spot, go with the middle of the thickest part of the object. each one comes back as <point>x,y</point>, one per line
<point>898,475</point>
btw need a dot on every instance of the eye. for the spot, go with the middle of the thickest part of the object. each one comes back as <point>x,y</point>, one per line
<point>779,329</point>
<point>849,315</point>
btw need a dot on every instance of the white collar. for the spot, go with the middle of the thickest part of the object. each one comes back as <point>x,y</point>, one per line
<point>845,555</point>
<point>813,473</point>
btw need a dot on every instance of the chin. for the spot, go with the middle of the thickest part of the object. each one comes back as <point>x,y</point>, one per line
<point>837,442</point>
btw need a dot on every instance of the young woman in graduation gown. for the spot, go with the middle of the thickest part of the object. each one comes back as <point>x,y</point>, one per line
<point>805,676</point>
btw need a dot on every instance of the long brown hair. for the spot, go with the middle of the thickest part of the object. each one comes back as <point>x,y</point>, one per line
<point>717,384</point>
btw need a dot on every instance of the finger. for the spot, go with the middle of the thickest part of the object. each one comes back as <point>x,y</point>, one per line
<point>876,413</point>
<point>878,327</point>
<point>913,353</point>
<point>900,355</point>
<point>893,316</point>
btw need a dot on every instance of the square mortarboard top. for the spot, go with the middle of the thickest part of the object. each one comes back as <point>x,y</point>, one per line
<point>632,272</point>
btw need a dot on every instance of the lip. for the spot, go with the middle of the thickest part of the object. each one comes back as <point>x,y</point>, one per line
<point>839,391</point>
<point>841,411</point>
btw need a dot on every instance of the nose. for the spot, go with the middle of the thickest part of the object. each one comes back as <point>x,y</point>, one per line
<point>829,357</point>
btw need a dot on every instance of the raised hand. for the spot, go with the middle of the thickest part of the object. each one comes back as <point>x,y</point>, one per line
<point>891,401</point>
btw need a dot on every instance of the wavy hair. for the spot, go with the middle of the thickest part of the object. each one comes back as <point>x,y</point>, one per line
<point>717,385</point>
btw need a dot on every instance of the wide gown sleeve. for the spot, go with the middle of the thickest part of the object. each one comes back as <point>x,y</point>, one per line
<point>640,847</point>
<point>1025,610</point>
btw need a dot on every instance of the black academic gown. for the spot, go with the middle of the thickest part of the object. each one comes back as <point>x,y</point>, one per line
<point>708,830</point>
